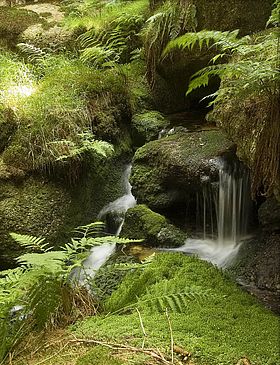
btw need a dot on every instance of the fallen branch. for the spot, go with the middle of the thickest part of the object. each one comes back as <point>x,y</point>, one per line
<point>120,347</point>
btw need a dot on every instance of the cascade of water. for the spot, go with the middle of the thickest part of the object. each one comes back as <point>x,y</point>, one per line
<point>230,203</point>
<point>119,206</point>
<point>100,254</point>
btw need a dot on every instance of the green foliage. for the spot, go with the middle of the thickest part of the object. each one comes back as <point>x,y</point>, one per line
<point>249,70</point>
<point>98,356</point>
<point>44,288</point>
<point>27,241</point>
<point>114,43</point>
<point>250,67</point>
<point>52,105</point>
<point>168,22</point>
<point>216,327</point>
<point>32,53</point>
<point>274,20</point>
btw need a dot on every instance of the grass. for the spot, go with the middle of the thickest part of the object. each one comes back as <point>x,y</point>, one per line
<point>51,103</point>
<point>88,15</point>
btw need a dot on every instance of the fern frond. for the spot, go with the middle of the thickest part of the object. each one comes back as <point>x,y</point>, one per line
<point>98,56</point>
<point>91,229</point>
<point>32,242</point>
<point>223,40</point>
<point>32,53</point>
<point>51,261</point>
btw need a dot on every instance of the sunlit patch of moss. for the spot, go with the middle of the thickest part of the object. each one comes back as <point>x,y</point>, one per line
<point>220,329</point>
<point>89,15</point>
<point>55,103</point>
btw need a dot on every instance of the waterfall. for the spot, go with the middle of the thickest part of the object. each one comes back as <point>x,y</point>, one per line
<point>119,206</point>
<point>100,254</point>
<point>223,209</point>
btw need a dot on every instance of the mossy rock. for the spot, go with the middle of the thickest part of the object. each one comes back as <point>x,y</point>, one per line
<point>99,356</point>
<point>40,207</point>
<point>56,38</point>
<point>13,21</point>
<point>142,223</point>
<point>168,173</point>
<point>147,126</point>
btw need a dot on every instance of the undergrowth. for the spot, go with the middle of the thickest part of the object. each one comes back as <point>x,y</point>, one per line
<point>54,106</point>
<point>219,323</point>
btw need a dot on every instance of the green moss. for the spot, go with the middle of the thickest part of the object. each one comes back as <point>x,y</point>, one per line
<point>98,356</point>
<point>142,223</point>
<point>13,21</point>
<point>59,107</point>
<point>146,126</point>
<point>220,329</point>
<point>169,170</point>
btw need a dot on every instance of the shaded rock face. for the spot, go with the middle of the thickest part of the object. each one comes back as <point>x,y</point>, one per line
<point>258,263</point>
<point>167,173</point>
<point>248,16</point>
<point>52,209</point>
<point>269,215</point>
<point>29,207</point>
<point>142,223</point>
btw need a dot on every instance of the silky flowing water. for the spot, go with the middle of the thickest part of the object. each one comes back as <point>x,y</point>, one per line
<point>100,254</point>
<point>224,209</point>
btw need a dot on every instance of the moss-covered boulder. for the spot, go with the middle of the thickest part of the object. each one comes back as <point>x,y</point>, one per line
<point>167,173</point>
<point>38,206</point>
<point>13,21</point>
<point>142,223</point>
<point>55,38</point>
<point>146,127</point>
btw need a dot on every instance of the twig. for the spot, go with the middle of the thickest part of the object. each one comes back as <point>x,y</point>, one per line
<point>171,336</point>
<point>52,356</point>
<point>120,347</point>
<point>142,328</point>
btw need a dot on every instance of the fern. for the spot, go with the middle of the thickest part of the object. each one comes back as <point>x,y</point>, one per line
<point>91,229</point>
<point>32,242</point>
<point>114,44</point>
<point>166,24</point>
<point>176,300</point>
<point>32,53</point>
<point>85,145</point>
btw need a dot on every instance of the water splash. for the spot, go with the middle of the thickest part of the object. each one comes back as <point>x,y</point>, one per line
<point>223,208</point>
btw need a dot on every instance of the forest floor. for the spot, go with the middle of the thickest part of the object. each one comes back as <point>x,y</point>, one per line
<point>180,301</point>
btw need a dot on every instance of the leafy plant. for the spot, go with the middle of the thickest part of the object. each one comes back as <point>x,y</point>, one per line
<point>42,290</point>
<point>167,23</point>
<point>114,43</point>
<point>249,70</point>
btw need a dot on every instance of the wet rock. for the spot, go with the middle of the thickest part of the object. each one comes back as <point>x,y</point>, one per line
<point>167,173</point>
<point>142,223</point>
<point>258,265</point>
<point>269,214</point>
<point>147,126</point>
